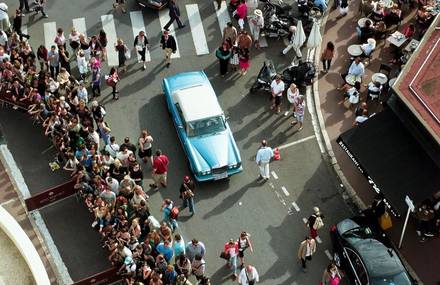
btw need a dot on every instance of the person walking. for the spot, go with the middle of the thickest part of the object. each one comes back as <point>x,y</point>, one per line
<point>169,46</point>
<point>299,108</point>
<point>277,88</point>
<point>96,81</point>
<point>230,34</point>
<point>244,61</point>
<point>145,142</point>
<point>292,95</point>
<point>331,275</point>
<point>231,251</point>
<point>160,169</point>
<point>39,7</point>
<point>241,14</point>
<point>314,222</point>
<point>305,251</point>
<point>102,39</point>
<point>187,193</point>
<point>141,45</point>
<point>327,56</point>
<point>264,155</point>
<point>167,206</point>
<point>256,23</point>
<point>244,242</point>
<point>223,54</point>
<point>24,4</point>
<point>112,80</point>
<point>248,276</point>
<point>17,23</point>
<point>120,4</point>
<point>83,65</point>
<point>121,49</point>
<point>174,13</point>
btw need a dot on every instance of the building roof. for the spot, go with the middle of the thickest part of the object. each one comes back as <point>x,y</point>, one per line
<point>418,85</point>
<point>198,102</point>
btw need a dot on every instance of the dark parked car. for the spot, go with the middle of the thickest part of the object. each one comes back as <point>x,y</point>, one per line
<point>155,4</point>
<point>367,255</point>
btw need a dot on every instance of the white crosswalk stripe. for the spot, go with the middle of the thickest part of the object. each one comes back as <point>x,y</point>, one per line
<point>137,24</point>
<point>163,19</point>
<point>108,25</point>
<point>197,31</point>
<point>80,25</point>
<point>222,15</point>
<point>50,32</point>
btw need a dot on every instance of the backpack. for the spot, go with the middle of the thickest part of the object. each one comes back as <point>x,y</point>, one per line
<point>318,223</point>
<point>174,213</point>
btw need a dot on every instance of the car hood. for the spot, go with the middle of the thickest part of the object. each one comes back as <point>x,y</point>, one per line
<point>215,150</point>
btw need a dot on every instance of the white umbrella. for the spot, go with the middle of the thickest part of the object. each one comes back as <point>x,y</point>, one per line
<point>315,37</point>
<point>299,39</point>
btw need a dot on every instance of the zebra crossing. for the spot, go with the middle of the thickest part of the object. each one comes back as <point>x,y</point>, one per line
<point>108,24</point>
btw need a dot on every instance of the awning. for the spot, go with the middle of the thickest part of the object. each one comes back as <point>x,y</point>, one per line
<point>392,160</point>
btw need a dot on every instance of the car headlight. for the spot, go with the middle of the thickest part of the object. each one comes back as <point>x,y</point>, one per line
<point>233,166</point>
<point>206,172</point>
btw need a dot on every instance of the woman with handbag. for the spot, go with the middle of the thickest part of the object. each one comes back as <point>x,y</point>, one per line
<point>112,80</point>
<point>231,252</point>
<point>244,242</point>
<point>141,45</point>
<point>331,275</point>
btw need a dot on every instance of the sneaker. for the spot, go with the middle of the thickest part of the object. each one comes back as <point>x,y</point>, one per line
<point>46,16</point>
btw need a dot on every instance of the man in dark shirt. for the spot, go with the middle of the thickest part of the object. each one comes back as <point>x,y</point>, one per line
<point>129,145</point>
<point>187,193</point>
<point>169,46</point>
<point>174,15</point>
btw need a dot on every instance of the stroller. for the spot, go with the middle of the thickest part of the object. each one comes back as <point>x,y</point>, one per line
<point>301,74</point>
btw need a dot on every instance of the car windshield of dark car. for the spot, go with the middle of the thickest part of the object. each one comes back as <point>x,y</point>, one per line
<point>358,233</point>
<point>206,126</point>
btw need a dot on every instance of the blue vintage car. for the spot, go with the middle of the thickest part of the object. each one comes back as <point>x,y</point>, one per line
<point>201,126</point>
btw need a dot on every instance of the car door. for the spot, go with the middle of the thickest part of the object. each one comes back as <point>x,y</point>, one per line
<point>356,266</point>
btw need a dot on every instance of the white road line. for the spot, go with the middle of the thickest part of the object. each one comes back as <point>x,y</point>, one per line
<point>198,34</point>
<point>163,19</point>
<point>305,220</point>
<point>50,32</point>
<point>318,239</point>
<point>285,191</point>
<point>274,174</point>
<point>80,25</point>
<point>222,15</point>
<point>295,206</point>
<point>329,255</point>
<point>296,142</point>
<point>137,24</point>
<point>108,25</point>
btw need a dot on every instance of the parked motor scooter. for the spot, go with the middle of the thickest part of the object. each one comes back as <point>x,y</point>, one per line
<point>265,76</point>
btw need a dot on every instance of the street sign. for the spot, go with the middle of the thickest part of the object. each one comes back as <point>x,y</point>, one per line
<point>410,203</point>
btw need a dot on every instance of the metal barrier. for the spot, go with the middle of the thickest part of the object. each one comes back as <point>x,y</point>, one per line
<point>108,276</point>
<point>51,195</point>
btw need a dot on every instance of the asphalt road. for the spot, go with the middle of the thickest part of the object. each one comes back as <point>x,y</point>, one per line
<point>265,211</point>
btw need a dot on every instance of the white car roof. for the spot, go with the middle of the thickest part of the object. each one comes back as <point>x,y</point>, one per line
<point>197,102</point>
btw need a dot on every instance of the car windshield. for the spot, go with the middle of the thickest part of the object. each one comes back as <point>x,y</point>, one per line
<point>359,232</point>
<point>206,126</point>
<point>398,279</point>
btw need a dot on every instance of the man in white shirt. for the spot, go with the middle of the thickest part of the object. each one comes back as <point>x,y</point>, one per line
<point>113,184</point>
<point>277,88</point>
<point>3,38</point>
<point>248,275</point>
<point>264,154</point>
<point>360,119</point>
<point>112,148</point>
<point>123,155</point>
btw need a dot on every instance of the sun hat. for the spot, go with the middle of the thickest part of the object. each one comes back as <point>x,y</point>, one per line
<point>316,210</point>
<point>258,12</point>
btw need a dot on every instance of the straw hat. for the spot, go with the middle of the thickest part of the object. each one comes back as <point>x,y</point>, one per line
<point>258,12</point>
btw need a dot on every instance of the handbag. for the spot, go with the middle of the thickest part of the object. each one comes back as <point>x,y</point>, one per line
<point>188,193</point>
<point>385,221</point>
<point>225,255</point>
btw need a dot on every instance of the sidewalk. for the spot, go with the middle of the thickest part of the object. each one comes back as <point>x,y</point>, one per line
<point>10,200</point>
<point>337,119</point>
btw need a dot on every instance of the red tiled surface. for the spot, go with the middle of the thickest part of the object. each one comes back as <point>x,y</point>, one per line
<point>425,71</point>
